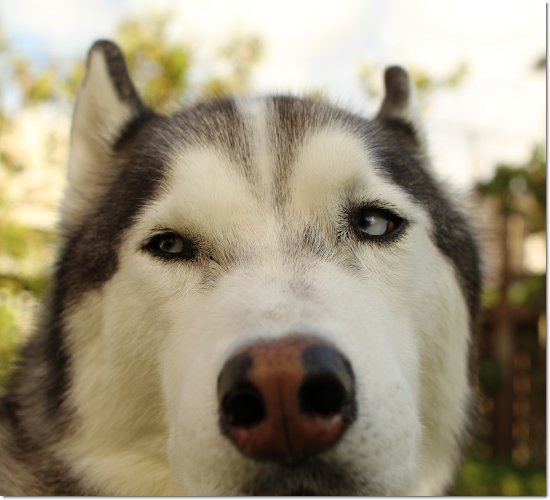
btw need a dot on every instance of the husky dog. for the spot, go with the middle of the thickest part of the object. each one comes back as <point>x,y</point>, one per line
<point>264,296</point>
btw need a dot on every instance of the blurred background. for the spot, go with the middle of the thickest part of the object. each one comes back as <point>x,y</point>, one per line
<point>480,67</point>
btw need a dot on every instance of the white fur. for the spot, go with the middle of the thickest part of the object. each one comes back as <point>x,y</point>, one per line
<point>99,116</point>
<point>150,346</point>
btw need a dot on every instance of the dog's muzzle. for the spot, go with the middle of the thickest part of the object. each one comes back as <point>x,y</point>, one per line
<point>286,399</point>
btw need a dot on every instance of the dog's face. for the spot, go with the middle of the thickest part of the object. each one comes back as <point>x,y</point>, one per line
<point>267,230</point>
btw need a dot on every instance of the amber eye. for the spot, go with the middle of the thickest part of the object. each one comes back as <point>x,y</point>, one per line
<point>376,223</point>
<point>171,245</point>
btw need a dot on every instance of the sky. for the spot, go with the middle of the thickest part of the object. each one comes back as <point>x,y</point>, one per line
<point>497,115</point>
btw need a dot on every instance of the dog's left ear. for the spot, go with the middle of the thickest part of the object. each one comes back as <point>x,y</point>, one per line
<point>107,103</point>
<point>400,105</point>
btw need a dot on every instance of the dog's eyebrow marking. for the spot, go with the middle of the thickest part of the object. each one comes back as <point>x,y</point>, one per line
<point>220,123</point>
<point>293,120</point>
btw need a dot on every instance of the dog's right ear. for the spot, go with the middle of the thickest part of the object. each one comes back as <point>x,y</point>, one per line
<point>400,106</point>
<point>106,103</point>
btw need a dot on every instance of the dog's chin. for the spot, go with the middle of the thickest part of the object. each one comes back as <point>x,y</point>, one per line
<point>312,478</point>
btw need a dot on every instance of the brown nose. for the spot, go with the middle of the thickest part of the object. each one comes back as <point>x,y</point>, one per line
<point>285,399</point>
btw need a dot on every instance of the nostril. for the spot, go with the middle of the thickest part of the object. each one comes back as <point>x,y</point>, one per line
<point>243,406</point>
<point>328,387</point>
<point>322,395</point>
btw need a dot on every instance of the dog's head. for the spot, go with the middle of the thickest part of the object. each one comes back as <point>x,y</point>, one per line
<point>267,296</point>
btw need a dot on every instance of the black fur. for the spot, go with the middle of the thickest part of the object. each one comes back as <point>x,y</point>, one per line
<point>35,412</point>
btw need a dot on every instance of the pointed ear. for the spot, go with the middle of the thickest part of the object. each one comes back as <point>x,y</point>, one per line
<point>106,103</point>
<point>400,104</point>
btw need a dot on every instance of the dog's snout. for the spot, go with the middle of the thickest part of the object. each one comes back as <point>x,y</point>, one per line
<point>286,399</point>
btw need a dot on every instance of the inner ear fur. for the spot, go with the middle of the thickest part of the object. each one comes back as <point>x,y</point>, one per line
<point>106,103</point>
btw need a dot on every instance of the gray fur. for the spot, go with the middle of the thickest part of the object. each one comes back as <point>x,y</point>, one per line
<point>36,412</point>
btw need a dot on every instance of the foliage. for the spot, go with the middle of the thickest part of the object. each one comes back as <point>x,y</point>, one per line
<point>425,83</point>
<point>159,67</point>
<point>19,241</point>
<point>521,189</point>
<point>496,478</point>
<point>518,195</point>
<point>242,54</point>
<point>540,64</point>
<point>9,336</point>
<point>20,290</point>
<point>37,85</point>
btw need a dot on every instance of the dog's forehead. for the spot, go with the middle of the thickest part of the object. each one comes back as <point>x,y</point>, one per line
<point>258,157</point>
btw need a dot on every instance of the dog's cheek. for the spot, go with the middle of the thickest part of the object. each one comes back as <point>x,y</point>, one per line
<point>388,425</point>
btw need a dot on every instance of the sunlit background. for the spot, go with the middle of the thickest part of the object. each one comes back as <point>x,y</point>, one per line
<point>480,69</point>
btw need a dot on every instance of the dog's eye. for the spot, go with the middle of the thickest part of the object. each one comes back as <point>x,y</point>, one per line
<point>376,223</point>
<point>171,245</point>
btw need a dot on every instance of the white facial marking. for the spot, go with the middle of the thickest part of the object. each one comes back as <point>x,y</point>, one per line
<point>156,336</point>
